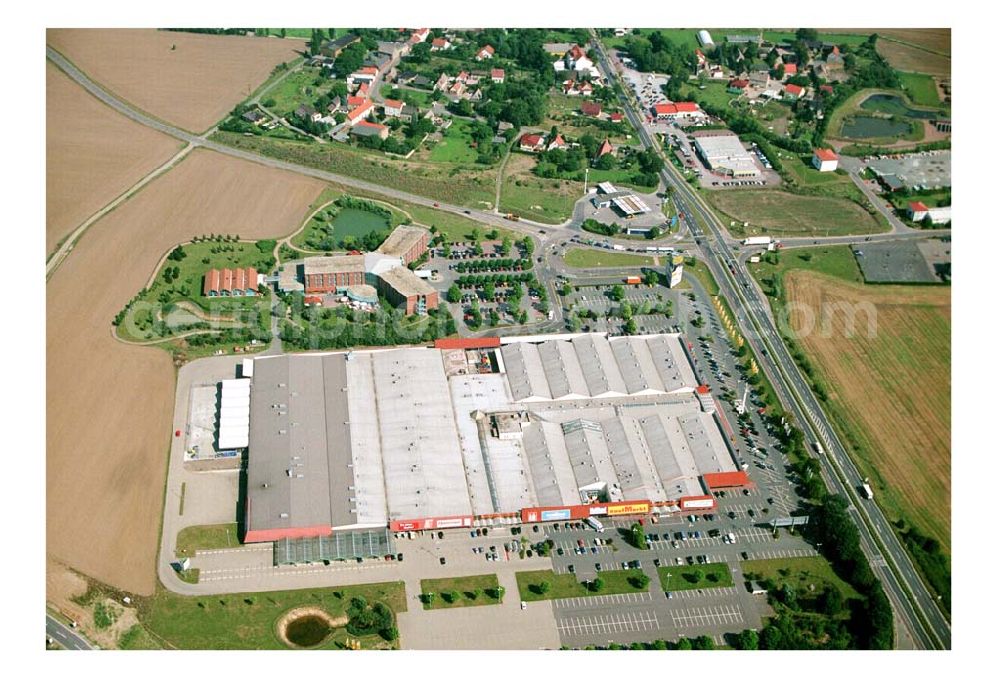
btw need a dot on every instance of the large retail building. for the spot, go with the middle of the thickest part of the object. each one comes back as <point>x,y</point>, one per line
<point>480,431</point>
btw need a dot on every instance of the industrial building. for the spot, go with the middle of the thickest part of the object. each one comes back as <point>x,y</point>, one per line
<point>352,275</point>
<point>724,153</point>
<point>479,431</point>
<point>625,202</point>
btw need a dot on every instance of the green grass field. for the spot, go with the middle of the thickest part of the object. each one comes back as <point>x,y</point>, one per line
<point>562,586</point>
<point>470,590</point>
<point>471,187</point>
<point>783,214</point>
<point>920,88</point>
<point>704,276</point>
<point>800,167</point>
<point>799,572</point>
<point>454,147</point>
<point>695,576</point>
<point>714,94</point>
<point>837,261</point>
<point>247,620</point>
<point>206,537</point>
<point>543,200</point>
<point>582,257</point>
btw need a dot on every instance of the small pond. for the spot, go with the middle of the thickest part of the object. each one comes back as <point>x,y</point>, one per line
<point>865,127</point>
<point>307,631</point>
<point>357,222</point>
<point>894,105</point>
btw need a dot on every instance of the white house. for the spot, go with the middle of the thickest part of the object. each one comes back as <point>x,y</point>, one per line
<point>486,52</point>
<point>825,160</point>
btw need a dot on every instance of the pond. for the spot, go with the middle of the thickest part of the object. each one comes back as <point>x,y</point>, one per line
<point>894,105</point>
<point>307,631</point>
<point>866,127</point>
<point>357,222</point>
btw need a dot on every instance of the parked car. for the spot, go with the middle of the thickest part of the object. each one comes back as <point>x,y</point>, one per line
<point>442,560</point>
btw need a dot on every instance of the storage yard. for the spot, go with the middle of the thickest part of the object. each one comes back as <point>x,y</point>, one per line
<point>517,429</point>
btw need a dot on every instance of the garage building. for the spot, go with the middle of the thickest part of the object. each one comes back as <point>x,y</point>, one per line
<point>725,153</point>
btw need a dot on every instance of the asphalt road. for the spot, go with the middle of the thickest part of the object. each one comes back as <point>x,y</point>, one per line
<point>909,596</point>
<point>65,636</point>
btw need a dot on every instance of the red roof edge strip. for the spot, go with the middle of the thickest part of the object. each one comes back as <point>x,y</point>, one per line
<point>723,480</point>
<point>467,343</point>
<point>269,535</point>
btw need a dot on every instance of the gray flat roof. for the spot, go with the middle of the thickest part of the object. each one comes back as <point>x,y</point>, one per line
<point>402,239</point>
<point>299,439</point>
<point>406,282</point>
<point>342,263</point>
<point>359,439</point>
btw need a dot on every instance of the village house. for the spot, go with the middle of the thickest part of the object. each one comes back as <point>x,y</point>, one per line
<point>485,52</point>
<point>497,75</point>
<point>558,143</point>
<point>365,128</point>
<point>392,108</point>
<point>440,44</point>
<point>532,143</point>
<point>591,109</point>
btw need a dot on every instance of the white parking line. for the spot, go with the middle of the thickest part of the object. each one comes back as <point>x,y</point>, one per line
<point>704,616</point>
<point>609,624</point>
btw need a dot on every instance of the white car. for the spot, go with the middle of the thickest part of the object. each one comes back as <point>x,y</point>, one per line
<point>524,605</point>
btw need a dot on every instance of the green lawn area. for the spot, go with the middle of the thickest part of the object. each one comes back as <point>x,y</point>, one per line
<point>800,167</point>
<point>470,591</point>
<point>782,214</point>
<point>470,186</point>
<point>543,200</point>
<point>247,620</point>
<point>454,147</point>
<point>704,276</point>
<point>137,638</point>
<point>837,261</point>
<point>694,576</point>
<point>206,537</point>
<point>799,572</point>
<point>931,199</point>
<point>714,94</point>
<point>920,88</point>
<point>566,585</point>
<point>582,257</point>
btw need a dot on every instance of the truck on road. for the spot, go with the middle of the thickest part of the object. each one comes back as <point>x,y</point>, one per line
<point>594,524</point>
<point>633,279</point>
<point>866,489</point>
<point>758,240</point>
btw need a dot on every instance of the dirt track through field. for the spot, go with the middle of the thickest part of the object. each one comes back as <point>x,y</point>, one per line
<point>92,155</point>
<point>109,404</point>
<point>894,389</point>
<point>190,80</point>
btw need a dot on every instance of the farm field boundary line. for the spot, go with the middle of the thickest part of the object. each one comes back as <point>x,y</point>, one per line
<point>67,245</point>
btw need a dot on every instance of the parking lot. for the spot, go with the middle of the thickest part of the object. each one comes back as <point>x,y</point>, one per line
<point>589,296</point>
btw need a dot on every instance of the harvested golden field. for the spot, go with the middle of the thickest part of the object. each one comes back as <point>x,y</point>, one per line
<point>92,155</point>
<point>932,39</point>
<point>890,392</point>
<point>908,58</point>
<point>110,405</point>
<point>188,79</point>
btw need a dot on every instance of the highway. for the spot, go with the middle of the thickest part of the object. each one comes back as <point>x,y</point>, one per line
<point>65,636</point>
<point>910,597</point>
